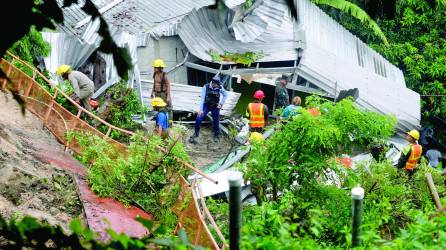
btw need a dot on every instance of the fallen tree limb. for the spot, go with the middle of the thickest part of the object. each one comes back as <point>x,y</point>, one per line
<point>433,191</point>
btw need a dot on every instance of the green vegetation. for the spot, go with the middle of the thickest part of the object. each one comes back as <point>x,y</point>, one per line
<point>246,58</point>
<point>354,11</point>
<point>304,193</point>
<point>118,106</point>
<point>145,176</point>
<point>31,47</point>
<point>28,233</point>
<point>417,38</point>
<point>306,146</point>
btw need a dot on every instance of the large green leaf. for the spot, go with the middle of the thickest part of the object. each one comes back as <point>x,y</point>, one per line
<point>356,12</point>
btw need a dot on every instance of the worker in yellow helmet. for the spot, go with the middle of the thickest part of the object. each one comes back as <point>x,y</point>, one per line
<point>411,154</point>
<point>256,137</point>
<point>161,84</point>
<point>82,85</point>
<point>162,118</point>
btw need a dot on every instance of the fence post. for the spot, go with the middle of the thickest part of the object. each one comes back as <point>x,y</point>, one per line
<point>357,198</point>
<point>235,210</point>
<point>50,107</point>
<point>7,73</point>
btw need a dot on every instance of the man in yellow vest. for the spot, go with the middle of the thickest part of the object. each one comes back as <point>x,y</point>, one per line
<point>257,113</point>
<point>411,154</point>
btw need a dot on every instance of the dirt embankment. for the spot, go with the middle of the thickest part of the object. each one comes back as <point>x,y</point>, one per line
<point>28,185</point>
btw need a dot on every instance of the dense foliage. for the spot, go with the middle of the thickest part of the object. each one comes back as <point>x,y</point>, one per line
<point>246,58</point>
<point>28,233</point>
<point>145,176</point>
<point>308,144</point>
<point>304,193</point>
<point>118,107</point>
<point>417,39</point>
<point>31,47</point>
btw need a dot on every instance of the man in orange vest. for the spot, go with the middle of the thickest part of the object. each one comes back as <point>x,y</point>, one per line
<point>411,154</point>
<point>257,113</point>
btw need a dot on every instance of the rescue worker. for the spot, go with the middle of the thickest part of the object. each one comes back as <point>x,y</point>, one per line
<point>293,109</point>
<point>161,85</point>
<point>162,118</point>
<point>256,137</point>
<point>411,154</point>
<point>213,97</point>
<point>281,97</point>
<point>257,113</point>
<point>82,85</point>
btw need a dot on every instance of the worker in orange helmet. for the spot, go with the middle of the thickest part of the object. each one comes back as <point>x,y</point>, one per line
<point>257,113</point>
<point>411,154</point>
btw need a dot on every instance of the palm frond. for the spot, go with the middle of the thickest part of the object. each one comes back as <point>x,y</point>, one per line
<point>356,12</point>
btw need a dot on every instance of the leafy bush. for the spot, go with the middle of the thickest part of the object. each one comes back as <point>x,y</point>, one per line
<point>122,103</point>
<point>31,47</point>
<point>145,176</point>
<point>28,233</point>
<point>294,174</point>
<point>304,147</point>
<point>246,58</point>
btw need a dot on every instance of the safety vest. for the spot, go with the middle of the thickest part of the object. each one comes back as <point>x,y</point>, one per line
<point>256,115</point>
<point>415,155</point>
<point>212,96</point>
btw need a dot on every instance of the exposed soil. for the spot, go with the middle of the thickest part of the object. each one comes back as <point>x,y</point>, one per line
<point>29,186</point>
<point>206,151</point>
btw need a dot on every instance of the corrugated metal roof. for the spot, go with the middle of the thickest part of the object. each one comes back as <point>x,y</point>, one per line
<point>233,3</point>
<point>187,98</point>
<point>333,58</point>
<point>205,30</point>
<point>134,16</point>
<point>269,15</point>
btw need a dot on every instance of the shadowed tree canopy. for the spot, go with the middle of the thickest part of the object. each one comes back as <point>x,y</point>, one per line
<point>18,16</point>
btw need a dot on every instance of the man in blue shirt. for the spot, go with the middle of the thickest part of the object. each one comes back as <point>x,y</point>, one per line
<point>213,97</point>
<point>162,118</point>
<point>293,109</point>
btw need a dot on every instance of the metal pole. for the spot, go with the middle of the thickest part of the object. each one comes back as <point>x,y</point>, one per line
<point>357,198</point>
<point>235,210</point>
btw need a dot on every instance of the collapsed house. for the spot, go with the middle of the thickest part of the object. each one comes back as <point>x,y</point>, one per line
<point>318,54</point>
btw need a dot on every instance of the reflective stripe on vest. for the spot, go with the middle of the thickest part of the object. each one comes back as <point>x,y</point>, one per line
<point>415,155</point>
<point>256,115</point>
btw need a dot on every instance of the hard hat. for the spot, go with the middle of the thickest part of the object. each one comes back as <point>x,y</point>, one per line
<point>414,133</point>
<point>314,112</point>
<point>259,94</point>
<point>216,79</point>
<point>158,63</point>
<point>63,69</point>
<point>158,102</point>
<point>256,136</point>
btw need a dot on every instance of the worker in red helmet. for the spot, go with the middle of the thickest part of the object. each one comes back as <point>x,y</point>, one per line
<point>257,113</point>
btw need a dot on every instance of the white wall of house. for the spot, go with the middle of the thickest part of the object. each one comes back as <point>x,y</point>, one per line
<point>171,49</point>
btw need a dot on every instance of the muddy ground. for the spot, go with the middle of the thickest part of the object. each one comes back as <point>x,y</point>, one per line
<point>27,185</point>
<point>206,151</point>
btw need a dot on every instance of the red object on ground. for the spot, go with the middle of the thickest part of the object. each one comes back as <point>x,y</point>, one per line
<point>101,213</point>
<point>314,111</point>
<point>346,161</point>
<point>105,213</point>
